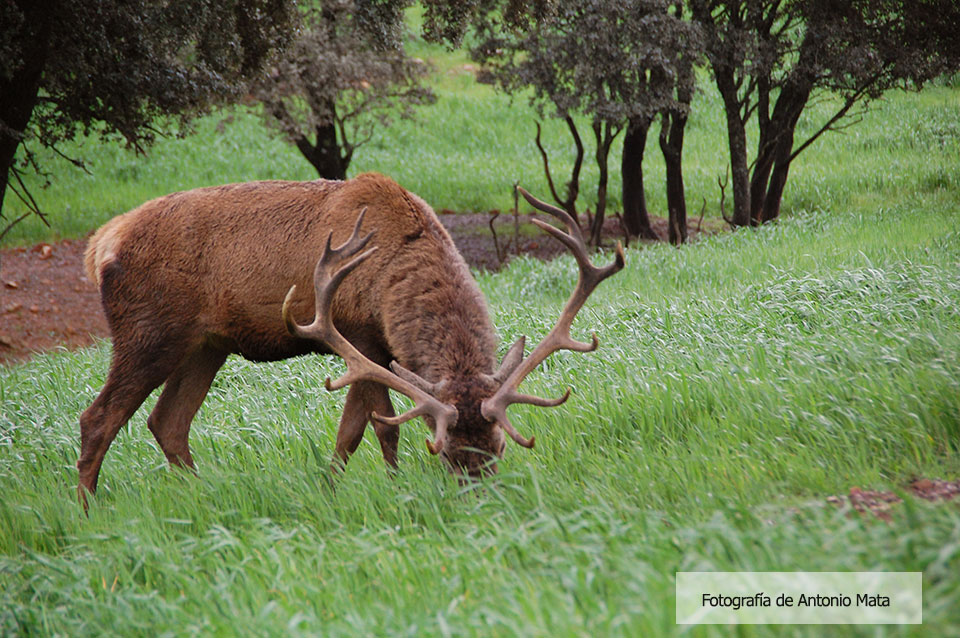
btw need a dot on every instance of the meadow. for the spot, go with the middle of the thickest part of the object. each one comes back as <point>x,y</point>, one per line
<point>740,381</point>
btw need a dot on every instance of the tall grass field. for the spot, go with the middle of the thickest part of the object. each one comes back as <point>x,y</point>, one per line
<point>740,381</point>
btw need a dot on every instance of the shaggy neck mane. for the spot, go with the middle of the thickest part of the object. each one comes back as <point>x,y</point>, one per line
<point>436,322</point>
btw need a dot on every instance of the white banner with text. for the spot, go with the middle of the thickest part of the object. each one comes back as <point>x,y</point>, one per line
<point>793,598</point>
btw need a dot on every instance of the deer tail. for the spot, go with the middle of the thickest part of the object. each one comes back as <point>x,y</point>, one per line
<point>102,247</point>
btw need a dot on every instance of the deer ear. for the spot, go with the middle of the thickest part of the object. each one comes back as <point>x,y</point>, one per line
<point>510,361</point>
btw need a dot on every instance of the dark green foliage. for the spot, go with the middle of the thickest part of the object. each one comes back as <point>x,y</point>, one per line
<point>124,68</point>
<point>344,75</point>
<point>770,58</point>
<point>620,62</point>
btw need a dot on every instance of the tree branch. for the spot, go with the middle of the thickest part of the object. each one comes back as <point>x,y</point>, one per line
<point>32,203</point>
<point>546,167</point>
<point>573,187</point>
<point>723,195</point>
<point>850,101</point>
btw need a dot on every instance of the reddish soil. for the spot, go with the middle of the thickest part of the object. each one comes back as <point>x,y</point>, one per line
<point>882,504</point>
<point>46,300</point>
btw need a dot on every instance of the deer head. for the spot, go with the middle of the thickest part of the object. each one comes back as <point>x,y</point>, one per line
<point>468,414</point>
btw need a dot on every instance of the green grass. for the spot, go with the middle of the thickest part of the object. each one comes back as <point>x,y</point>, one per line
<point>740,381</point>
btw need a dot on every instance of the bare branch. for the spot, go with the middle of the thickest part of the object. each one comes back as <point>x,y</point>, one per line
<point>830,124</point>
<point>623,229</point>
<point>493,231</point>
<point>546,167</point>
<point>723,195</point>
<point>25,196</point>
<point>10,226</point>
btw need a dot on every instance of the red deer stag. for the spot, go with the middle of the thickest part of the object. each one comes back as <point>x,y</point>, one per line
<point>192,277</point>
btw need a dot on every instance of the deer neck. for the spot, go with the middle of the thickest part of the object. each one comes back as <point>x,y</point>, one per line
<point>439,326</point>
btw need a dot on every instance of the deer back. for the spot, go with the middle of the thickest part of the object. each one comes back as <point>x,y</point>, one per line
<point>215,264</point>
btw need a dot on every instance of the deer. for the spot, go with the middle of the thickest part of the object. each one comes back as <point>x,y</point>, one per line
<point>187,279</point>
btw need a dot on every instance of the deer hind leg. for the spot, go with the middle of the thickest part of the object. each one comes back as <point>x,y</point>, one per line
<point>184,391</point>
<point>363,397</point>
<point>135,371</point>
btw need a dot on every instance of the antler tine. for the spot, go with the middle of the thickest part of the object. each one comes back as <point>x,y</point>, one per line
<point>510,361</point>
<point>348,248</point>
<point>516,436</point>
<point>573,238</point>
<point>328,274</point>
<point>559,213</point>
<point>494,407</point>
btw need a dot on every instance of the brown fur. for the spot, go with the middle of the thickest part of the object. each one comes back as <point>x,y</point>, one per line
<point>191,277</point>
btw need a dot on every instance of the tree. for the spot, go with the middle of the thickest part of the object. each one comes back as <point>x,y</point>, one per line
<point>122,67</point>
<point>569,201</point>
<point>619,62</point>
<point>673,125</point>
<point>770,58</point>
<point>343,77</point>
<point>659,49</point>
<point>546,53</point>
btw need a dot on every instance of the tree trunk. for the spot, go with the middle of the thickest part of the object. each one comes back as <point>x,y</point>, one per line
<point>777,132</point>
<point>765,149</point>
<point>19,92</point>
<point>783,157</point>
<point>778,179</point>
<point>766,152</point>
<point>671,145</point>
<point>573,186</point>
<point>635,216</point>
<point>326,155</point>
<point>605,135</point>
<point>737,140</point>
<point>774,157</point>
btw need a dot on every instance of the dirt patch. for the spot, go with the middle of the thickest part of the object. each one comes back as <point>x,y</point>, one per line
<point>472,234</point>
<point>46,300</point>
<point>882,504</point>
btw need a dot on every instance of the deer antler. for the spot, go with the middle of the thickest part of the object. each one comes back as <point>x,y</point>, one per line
<point>494,408</point>
<point>335,264</point>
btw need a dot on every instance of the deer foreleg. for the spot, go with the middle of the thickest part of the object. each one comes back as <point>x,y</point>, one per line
<point>363,398</point>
